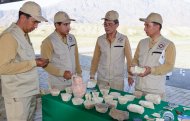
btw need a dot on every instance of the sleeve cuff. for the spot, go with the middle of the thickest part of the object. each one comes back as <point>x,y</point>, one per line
<point>79,73</point>
<point>130,76</point>
<point>153,70</point>
<point>61,73</point>
<point>33,63</point>
<point>92,75</point>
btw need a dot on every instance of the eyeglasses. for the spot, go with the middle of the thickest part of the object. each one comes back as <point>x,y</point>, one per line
<point>66,24</point>
<point>108,24</point>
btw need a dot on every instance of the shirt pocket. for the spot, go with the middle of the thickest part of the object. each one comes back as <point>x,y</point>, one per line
<point>118,49</point>
<point>117,46</point>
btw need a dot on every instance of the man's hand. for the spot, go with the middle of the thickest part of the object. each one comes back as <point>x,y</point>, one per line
<point>130,69</point>
<point>67,75</point>
<point>147,72</point>
<point>92,78</point>
<point>41,62</point>
<point>130,81</point>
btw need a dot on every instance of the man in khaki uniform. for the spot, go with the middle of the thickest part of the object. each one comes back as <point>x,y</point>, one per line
<point>19,76</point>
<point>109,55</point>
<point>156,54</point>
<point>61,49</point>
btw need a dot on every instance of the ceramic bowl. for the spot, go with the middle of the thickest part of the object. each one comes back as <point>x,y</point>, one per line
<point>91,83</point>
<point>88,96</point>
<point>77,101</point>
<point>97,99</point>
<point>108,98</point>
<point>101,107</point>
<point>88,104</point>
<point>104,89</point>
<point>115,94</point>
<point>112,103</point>
<point>95,94</point>
<point>138,94</point>
<point>54,92</point>
<point>68,90</point>
<point>66,96</point>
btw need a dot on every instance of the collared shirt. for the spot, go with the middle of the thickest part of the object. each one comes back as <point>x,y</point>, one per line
<point>170,54</point>
<point>8,52</point>
<point>47,51</point>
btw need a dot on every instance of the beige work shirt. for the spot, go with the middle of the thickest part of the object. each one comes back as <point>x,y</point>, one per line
<point>47,51</point>
<point>97,54</point>
<point>8,52</point>
<point>17,65</point>
<point>170,54</point>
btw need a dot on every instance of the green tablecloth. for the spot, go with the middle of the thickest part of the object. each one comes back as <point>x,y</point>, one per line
<point>54,109</point>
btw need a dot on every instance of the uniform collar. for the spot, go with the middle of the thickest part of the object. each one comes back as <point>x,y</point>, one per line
<point>156,40</point>
<point>63,39</point>
<point>114,38</point>
<point>14,25</point>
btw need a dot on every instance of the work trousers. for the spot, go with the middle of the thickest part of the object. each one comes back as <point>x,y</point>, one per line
<point>20,109</point>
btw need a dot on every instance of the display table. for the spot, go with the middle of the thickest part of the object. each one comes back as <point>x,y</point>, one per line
<point>54,109</point>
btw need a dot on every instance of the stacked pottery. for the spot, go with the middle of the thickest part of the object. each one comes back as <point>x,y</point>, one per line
<point>78,87</point>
